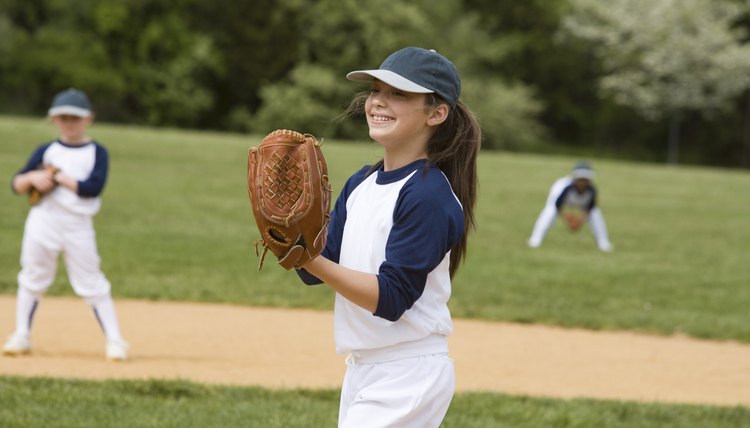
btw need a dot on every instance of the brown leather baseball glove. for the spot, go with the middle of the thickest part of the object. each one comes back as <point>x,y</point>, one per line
<point>573,221</point>
<point>35,195</point>
<point>287,180</point>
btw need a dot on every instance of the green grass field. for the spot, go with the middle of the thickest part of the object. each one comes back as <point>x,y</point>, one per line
<point>36,402</point>
<point>176,224</point>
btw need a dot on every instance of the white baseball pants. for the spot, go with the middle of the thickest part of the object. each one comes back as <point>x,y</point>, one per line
<point>408,392</point>
<point>50,231</point>
<point>549,214</point>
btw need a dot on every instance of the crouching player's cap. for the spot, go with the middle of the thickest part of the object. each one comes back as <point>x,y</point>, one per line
<point>71,102</point>
<point>582,170</point>
<point>416,70</point>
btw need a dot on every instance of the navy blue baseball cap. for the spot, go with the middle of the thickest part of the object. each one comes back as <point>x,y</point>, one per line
<point>582,170</point>
<point>72,102</point>
<point>416,70</point>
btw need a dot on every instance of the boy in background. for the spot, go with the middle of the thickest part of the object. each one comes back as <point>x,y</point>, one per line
<point>64,179</point>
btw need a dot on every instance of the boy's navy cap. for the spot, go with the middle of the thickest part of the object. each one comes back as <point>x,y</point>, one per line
<point>416,70</point>
<point>70,101</point>
<point>583,170</point>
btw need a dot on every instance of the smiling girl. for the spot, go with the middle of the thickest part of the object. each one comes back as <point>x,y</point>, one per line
<point>397,235</point>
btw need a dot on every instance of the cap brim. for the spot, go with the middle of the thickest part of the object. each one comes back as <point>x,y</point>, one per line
<point>390,78</point>
<point>69,110</point>
<point>583,173</point>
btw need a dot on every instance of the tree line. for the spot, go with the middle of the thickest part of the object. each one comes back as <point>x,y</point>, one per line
<point>654,80</point>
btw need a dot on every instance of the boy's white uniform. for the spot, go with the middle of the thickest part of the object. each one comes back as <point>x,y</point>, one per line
<point>399,225</point>
<point>62,222</point>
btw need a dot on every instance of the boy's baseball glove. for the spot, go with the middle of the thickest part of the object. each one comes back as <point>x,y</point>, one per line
<point>287,180</point>
<point>34,194</point>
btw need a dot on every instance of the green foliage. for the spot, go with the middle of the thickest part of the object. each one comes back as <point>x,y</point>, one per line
<point>176,224</point>
<point>168,403</point>
<point>309,101</point>
<point>156,73</point>
<point>176,96</point>
<point>38,57</point>
<point>666,56</point>
<point>340,38</point>
<point>170,62</point>
<point>110,17</point>
<point>257,44</point>
<point>348,34</point>
<point>506,114</point>
<point>559,72</point>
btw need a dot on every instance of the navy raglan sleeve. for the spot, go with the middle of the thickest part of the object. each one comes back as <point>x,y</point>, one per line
<point>94,184</point>
<point>592,203</point>
<point>332,250</point>
<point>36,159</point>
<point>427,222</point>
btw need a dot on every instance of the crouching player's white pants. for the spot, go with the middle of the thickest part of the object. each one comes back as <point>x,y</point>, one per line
<point>599,228</point>
<point>408,392</point>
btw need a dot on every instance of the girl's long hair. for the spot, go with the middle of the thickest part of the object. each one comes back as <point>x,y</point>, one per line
<point>453,148</point>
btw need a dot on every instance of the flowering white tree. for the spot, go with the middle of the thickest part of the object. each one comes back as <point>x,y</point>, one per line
<point>665,57</point>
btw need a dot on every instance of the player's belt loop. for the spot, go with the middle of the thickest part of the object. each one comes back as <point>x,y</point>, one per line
<point>351,359</point>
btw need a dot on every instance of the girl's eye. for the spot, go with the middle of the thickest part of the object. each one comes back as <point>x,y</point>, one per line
<point>374,91</point>
<point>398,94</point>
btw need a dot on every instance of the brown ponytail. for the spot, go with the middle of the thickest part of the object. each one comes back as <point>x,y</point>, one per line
<point>454,148</point>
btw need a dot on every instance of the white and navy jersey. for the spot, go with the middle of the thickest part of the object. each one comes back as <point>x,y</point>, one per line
<point>87,163</point>
<point>570,197</point>
<point>399,225</point>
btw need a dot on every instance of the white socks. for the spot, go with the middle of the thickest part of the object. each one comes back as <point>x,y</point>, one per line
<point>104,309</point>
<point>26,303</point>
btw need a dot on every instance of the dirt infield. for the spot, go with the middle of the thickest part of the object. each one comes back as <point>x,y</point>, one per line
<point>277,348</point>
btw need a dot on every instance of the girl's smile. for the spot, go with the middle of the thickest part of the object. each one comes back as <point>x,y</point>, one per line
<point>379,119</point>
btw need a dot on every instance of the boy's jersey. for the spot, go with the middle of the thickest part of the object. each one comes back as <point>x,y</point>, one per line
<point>399,225</point>
<point>87,163</point>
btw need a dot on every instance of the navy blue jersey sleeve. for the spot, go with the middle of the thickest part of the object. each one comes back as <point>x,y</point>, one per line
<point>94,184</point>
<point>307,277</point>
<point>427,222</point>
<point>34,162</point>
<point>332,250</point>
<point>592,203</point>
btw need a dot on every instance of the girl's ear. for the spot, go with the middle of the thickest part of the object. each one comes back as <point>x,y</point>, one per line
<point>438,115</point>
